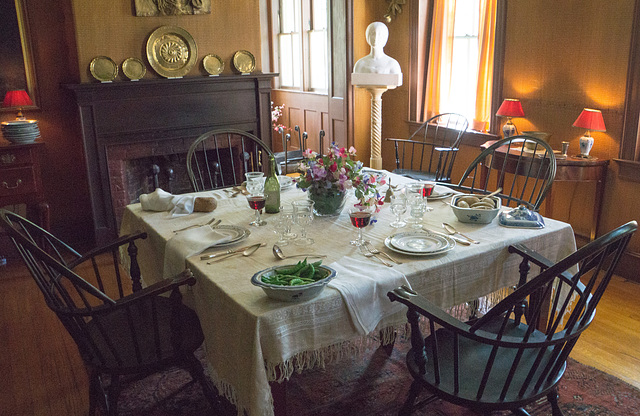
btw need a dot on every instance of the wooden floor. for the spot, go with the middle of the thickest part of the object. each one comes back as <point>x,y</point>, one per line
<point>41,372</point>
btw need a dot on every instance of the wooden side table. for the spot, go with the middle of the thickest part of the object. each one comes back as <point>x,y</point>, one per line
<point>576,169</point>
<point>20,179</point>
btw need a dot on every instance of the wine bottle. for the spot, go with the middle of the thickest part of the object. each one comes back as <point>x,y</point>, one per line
<point>272,188</point>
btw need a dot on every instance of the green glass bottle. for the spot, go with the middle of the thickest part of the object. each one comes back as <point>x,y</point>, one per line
<point>272,189</point>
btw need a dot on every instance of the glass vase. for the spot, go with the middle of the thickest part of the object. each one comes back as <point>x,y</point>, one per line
<point>327,202</point>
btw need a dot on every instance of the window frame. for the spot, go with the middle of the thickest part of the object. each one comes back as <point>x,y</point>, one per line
<point>628,163</point>
<point>423,9</point>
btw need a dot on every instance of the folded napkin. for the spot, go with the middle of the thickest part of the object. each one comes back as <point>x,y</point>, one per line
<point>364,286</point>
<point>189,243</point>
<point>160,200</point>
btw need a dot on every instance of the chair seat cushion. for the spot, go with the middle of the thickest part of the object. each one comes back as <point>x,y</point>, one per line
<point>126,340</point>
<point>473,357</point>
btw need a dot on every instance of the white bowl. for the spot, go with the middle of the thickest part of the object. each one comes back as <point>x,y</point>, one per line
<point>475,215</point>
<point>292,293</point>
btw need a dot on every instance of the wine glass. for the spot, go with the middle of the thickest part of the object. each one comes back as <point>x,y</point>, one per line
<point>398,207</point>
<point>360,217</point>
<point>303,210</point>
<point>427,191</point>
<point>256,199</point>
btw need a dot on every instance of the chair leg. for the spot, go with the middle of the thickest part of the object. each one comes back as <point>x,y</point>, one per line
<point>114,393</point>
<point>520,412</point>
<point>553,399</point>
<point>197,373</point>
<point>407,407</point>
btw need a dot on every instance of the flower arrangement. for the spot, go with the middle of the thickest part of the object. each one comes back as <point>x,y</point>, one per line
<point>276,113</point>
<point>337,171</point>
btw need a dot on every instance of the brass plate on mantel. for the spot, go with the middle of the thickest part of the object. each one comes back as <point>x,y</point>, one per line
<point>213,64</point>
<point>133,68</point>
<point>171,51</point>
<point>103,68</point>
<point>244,62</point>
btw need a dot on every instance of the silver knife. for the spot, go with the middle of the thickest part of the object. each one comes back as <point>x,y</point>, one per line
<point>453,237</point>
<point>224,253</point>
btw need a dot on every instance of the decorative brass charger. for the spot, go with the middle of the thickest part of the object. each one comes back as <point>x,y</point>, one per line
<point>171,51</point>
<point>213,64</point>
<point>244,62</point>
<point>103,68</point>
<point>133,68</point>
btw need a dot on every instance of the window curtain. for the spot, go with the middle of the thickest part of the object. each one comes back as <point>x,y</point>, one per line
<point>440,57</point>
<point>486,42</point>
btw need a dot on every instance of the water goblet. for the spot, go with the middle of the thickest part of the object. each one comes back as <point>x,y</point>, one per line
<point>254,183</point>
<point>280,228</point>
<point>414,192</point>
<point>398,207</point>
<point>287,214</point>
<point>360,217</point>
<point>417,207</point>
<point>303,210</point>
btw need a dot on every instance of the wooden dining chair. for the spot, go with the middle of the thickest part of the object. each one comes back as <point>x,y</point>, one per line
<point>289,158</point>
<point>220,158</point>
<point>523,166</point>
<point>430,152</point>
<point>516,353</point>
<point>121,336</point>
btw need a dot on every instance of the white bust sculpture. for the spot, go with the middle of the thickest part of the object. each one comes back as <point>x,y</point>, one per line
<point>377,62</point>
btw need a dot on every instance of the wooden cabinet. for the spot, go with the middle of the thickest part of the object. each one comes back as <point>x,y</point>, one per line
<point>20,180</point>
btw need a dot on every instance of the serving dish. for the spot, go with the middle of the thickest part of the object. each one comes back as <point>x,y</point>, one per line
<point>103,68</point>
<point>521,217</point>
<point>475,215</point>
<point>171,51</point>
<point>292,293</point>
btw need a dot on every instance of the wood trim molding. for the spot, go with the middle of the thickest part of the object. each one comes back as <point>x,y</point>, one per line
<point>628,169</point>
<point>629,141</point>
<point>629,266</point>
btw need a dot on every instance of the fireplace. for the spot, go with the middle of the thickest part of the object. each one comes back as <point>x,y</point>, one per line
<point>136,134</point>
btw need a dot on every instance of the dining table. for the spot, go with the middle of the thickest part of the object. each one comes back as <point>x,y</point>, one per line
<point>253,341</point>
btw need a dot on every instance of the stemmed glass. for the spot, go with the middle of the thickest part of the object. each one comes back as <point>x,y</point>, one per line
<point>303,212</point>
<point>398,207</point>
<point>282,225</point>
<point>427,190</point>
<point>360,217</point>
<point>416,203</point>
<point>256,199</point>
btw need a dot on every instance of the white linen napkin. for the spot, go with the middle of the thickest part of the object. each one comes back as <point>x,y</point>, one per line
<point>160,200</point>
<point>189,243</point>
<point>364,286</point>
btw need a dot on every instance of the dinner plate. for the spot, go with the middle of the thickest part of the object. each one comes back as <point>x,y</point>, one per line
<point>285,182</point>
<point>213,64</point>
<point>103,68</point>
<point>439,195</point>
<point>133,68</point>
<point>235,232</point>
<point>419,243</point>
<point>244,62</point>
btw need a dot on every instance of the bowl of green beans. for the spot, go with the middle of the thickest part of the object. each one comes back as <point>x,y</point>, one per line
<point>294,282</point>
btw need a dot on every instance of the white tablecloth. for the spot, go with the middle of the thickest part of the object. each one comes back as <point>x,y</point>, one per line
<point>251,339</point>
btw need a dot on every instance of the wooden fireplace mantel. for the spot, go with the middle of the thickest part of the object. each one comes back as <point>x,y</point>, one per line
<point>153,111</point>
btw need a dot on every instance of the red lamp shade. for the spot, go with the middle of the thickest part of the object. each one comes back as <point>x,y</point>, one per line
<point>590,119</point>
<point>17,98</point>
<point>510,107</point>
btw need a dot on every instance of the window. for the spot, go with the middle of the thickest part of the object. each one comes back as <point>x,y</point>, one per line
<point>456,59</point>
<point>302,45</point>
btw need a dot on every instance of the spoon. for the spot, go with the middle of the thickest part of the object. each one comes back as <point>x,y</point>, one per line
<point>451,230</point>
<point>246,253</point>
<point>494,193</point>
<point>277,251</point>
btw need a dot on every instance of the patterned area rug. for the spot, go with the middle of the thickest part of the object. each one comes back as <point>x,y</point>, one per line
<point>375,384</point>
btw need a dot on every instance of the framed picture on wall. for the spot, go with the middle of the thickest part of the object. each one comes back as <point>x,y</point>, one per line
<point>17,71</point>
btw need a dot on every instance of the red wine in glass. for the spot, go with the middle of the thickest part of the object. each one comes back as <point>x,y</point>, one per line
<point>256,202</point>
<point>427,190</point>
<point>360,219</point>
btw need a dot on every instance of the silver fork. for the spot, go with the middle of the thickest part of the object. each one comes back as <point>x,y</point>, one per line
<point>374,250</point>
<point>195,225</point>
<point>365,252</point>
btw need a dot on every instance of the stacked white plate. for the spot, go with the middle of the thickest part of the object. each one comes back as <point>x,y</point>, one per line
<point>20,131</point>
<point>418,243</point>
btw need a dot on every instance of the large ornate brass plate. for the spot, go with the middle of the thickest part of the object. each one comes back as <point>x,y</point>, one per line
<point>171,51</point>
<point>133,68</point>
<point>103,68</point>
<point>213,64</point>
<point>244,62</point>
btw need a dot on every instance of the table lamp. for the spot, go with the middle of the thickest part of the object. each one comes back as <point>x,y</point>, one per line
<point>589,119</point>
<point>17,99</point>
<point>509,108</point>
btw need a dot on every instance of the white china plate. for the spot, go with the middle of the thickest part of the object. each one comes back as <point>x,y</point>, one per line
<point>236,233</point>
<point>439,195</point>
<point>419,243</point>
<point>285,182</point>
